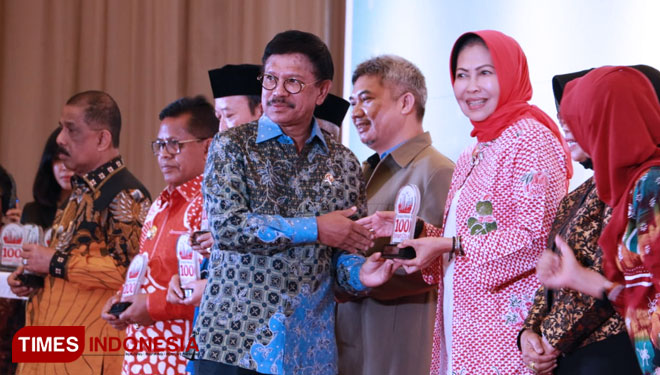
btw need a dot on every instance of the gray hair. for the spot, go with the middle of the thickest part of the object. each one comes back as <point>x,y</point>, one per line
<point>400,74</point>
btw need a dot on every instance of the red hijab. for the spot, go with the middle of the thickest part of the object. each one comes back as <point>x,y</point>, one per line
<point>614,115</point>
<point>515,90</point>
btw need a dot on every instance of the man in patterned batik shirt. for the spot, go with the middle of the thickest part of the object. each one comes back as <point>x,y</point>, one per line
<point>95,236</point>
<point>280,193</point>
<point>187,126</point>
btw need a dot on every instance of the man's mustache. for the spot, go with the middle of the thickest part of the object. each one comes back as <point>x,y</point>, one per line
<point>280,101</point>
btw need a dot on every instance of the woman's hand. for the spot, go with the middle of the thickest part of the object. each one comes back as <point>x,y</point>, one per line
<point>564,271</point>
<point>556,271</point>
<point>537,353</point>
<point>376,270</point>
<point>427,249</point>
<point>381,224</point>
<point>13,215</point>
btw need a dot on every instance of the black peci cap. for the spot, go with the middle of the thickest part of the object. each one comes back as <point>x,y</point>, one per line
<point>332,110</point>
<point>233,80</point>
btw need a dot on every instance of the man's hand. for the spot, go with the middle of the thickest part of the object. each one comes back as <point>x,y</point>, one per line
<point>137,312</point>
<point>197,287</point>
<point>36,258</point>
<point>376,270</point>
<point>17,286</point>
<point>538,355</point>
<point>202,242</point>
<point>114,321</point>
<point>381,224</point>
<point>335,229</point>
<point>175,293</point>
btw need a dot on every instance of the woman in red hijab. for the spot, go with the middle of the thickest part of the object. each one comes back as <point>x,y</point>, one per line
<point>503,197</point>
<point>614,115</point>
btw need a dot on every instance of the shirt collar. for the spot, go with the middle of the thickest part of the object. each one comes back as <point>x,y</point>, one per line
<point>98,176</point>
<point>405,152</point>
<point>267,129</point>
<point>189,189</point>
<point>384,154</point>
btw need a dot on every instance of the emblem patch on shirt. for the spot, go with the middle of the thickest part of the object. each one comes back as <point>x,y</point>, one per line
<point>152,232</point>
<point>328,179</point>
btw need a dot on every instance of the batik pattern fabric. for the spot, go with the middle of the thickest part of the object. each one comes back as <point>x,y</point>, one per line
<point>640,275</point>
<point>511,188</point>
<point>566,318</point>
<point>268,304</point>
<point>95,237</point>
<point>173,213</point>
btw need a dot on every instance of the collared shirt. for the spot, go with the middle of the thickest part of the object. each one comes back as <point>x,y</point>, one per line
<point>389,151</point>
<point>95,237</point>
<point>268,304</point>
<point>171,215</point>
<point>409,314</point>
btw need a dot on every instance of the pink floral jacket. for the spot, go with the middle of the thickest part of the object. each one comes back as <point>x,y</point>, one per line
<point>511,190</point>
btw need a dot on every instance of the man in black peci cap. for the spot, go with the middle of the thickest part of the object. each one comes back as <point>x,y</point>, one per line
<point>237,94</point>
<point>331,113</point>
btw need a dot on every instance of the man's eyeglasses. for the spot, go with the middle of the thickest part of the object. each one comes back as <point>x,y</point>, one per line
<point>291,85</point>
<point>172,146</point>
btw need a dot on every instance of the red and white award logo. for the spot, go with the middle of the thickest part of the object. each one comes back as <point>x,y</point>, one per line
<point>189,262</point>
<point>135,275</point>
<point>12,244</point>
<point>405,208</point>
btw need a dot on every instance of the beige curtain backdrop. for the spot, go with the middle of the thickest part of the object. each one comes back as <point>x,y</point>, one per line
<point>145,53</point>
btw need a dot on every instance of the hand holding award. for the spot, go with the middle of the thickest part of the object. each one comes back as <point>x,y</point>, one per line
<point>134,279</point>
<point>406,208</point>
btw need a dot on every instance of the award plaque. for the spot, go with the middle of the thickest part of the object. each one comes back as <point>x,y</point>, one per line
<point>189,263</point>
<point>32,234</point>
<point>406,208</point>
<point>12,236</point>
<point>48,237</point>
<point>135,275</point>
<point>134,278</point>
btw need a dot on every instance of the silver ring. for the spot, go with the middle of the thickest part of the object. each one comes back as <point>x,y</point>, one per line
<point>24,261</point>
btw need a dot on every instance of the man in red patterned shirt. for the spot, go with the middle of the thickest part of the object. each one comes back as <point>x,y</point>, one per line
<point>187,126</point>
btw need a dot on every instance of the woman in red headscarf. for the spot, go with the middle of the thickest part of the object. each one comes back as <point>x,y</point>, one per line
<point>503,197</point>
<point>614,115</point>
